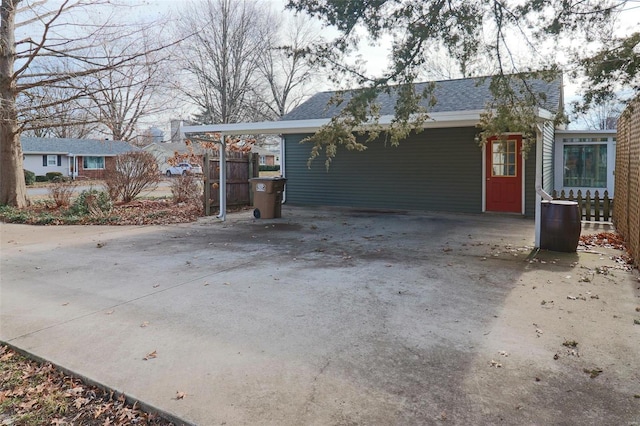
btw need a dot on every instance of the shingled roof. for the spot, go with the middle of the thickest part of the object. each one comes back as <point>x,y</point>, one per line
<point>466,94</point>
<point>88,147</point>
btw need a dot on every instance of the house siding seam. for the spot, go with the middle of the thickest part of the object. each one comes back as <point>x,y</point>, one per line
<point>437,170</point>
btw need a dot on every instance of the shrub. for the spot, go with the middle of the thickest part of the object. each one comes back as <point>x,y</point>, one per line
<point>41,178</point>
<point>51,176</point>
<point>91,202</point>
<point>61,191</point>
<point>187,189</point>
<point>29,177</point>
<point>264,168</point>
<point>133,173</point>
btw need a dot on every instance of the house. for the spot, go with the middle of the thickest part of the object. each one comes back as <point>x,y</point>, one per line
<point>164,151</point>
<point>266,157</point>
<point>78,158</point>
<point>442,168</point>
<point>585,161</point>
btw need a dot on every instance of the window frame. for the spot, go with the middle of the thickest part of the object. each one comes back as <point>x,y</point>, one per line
<point>85,163</point>
<point>510,168</point>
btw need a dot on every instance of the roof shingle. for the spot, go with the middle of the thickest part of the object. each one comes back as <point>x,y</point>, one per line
<point>464,94</point>
<point>94,147</point>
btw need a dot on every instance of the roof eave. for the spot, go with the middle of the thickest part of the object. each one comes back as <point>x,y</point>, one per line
<point>435,120</point>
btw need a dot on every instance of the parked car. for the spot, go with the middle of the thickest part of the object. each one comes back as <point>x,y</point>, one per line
<point>184,169</point>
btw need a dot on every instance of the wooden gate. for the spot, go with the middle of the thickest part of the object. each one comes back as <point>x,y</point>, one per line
<point>241,167</point>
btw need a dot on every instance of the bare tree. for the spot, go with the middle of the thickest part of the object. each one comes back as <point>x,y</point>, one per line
<point>70,119</point>
<point>221,58</point>
<point>66,34</point>
<point>122,96</point>
<point>603,116</point>
<point>286,67</point>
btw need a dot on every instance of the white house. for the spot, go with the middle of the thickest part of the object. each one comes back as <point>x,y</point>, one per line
<point>72,157</point>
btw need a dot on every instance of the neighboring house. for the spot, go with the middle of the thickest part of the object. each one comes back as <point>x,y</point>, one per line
<point>82,158</point>
<point>267,158</point>
<point>585,161</point>
<point>442,168</point>
<point>164,151</point>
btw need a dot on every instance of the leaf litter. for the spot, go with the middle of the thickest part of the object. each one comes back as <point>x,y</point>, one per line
<point>33,393</point>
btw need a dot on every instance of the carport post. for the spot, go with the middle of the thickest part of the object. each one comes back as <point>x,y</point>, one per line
<point>223,179</point>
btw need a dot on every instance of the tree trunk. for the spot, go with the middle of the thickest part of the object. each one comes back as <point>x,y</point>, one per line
<point>13,190</point>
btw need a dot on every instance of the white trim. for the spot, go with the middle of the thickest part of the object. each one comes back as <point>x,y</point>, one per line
<point>435,120</point>
<point>484,178</point>
<point>538,185</point>
<point>524,178</point>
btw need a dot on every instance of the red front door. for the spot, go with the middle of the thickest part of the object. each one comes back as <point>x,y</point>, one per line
<point>504,175</point>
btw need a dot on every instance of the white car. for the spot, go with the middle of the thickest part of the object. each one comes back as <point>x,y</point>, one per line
<point>184,169</point>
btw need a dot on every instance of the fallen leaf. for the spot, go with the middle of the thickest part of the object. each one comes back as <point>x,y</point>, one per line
<point>109,312</point>
<point>180,395</point>
<point>156,286</point>
<point>65,303</point>
<point>144,324</point>
<point>150,355</point>
<point>79,402</point>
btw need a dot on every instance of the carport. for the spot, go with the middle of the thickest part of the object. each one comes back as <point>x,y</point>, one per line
<point>438,120</point>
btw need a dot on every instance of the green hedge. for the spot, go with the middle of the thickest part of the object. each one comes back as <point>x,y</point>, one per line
<point>269,168</point>
<point>29,177</point>
<point>53,175</point>
<point>41,178</point>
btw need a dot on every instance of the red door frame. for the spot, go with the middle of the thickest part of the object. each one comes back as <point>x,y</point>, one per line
<point>503,193</point>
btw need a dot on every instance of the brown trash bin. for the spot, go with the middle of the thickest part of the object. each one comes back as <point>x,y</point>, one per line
<point>267,197</point>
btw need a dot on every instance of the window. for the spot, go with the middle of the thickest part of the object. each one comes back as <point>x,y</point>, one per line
<point>585,166</point>
<point>504,158</point>
<point>51,160</point>
<point>89,163</point>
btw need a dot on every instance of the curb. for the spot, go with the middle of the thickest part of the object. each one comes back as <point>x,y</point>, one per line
<point>88,381</point>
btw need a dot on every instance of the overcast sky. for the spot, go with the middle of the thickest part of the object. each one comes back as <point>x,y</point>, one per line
<point>376,56</point>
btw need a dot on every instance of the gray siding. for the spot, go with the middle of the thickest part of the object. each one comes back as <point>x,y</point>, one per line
<point>547,157</point>
<point>530,183</point>
<point>437,169</point>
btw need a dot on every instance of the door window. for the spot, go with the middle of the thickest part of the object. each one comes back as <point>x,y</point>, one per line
<point>504,160</point>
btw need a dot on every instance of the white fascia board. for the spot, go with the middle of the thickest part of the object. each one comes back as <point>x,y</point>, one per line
<point>45,153</point>
<point>435,120</point>
<point>586,132</point>
<point>544,114</point>
<point>260,128</point>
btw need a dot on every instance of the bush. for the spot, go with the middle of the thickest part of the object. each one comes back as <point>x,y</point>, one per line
<point>61,191</point>
<point>51,176</point>
<point>41,178</point>
<point>91,202</point>
<point>264,168</point>
<point>187,189</point>
<point>133,173</point>
<point>29,177</point>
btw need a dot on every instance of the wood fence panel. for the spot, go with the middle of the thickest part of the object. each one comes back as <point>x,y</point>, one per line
<point>592,206</point>
<point>627,216</point>
<point>240,168</point>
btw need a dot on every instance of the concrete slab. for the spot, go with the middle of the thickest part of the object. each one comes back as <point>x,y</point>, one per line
<point>330,317</point>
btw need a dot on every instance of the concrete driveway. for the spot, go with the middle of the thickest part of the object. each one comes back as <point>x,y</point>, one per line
<point>331,317</point>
